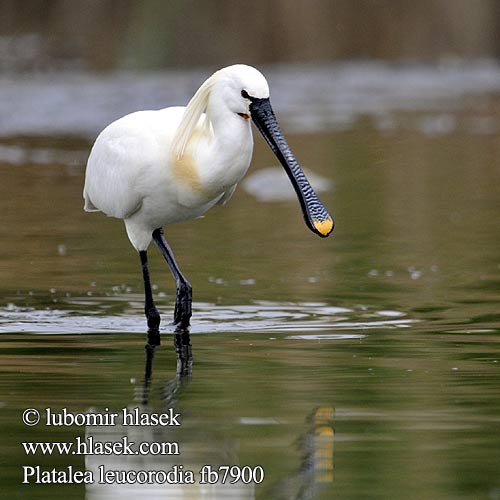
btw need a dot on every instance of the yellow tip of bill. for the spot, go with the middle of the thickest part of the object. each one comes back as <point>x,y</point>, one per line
<point>324,227</point>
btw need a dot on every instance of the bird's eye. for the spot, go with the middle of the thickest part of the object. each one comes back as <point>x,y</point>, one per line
<point>244,94</point>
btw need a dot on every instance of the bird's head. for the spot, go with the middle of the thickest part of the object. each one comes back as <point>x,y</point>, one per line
<point>234,87</point>
<point>246,93</point>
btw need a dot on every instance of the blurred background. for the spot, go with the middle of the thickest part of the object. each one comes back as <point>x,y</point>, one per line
<point>156,34</point>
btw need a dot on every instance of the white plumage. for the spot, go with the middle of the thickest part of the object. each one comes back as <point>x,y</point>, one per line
<point>155,168</point>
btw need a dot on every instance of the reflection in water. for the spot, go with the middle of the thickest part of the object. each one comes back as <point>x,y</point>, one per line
<point>187,448</point>
<point>182,456</point>
<point>150,348</point>
<point>184,353</point>
<point>316,449</point>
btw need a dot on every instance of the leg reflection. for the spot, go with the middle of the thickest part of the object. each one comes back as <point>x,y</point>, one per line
<point>150,348</point>
<point>184,351</point>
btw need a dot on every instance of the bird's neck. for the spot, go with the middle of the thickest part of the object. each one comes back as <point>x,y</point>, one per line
<point>230,131</point>
<point>231,146</point>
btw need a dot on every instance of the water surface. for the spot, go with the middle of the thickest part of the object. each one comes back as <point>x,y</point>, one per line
<point>361,366</point>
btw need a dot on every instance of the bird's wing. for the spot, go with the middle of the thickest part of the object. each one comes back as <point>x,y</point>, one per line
<point>118,166</point>
<point>226,195</point>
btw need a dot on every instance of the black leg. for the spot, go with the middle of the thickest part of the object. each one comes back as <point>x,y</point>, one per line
<point>152,314</point>
<point>183,299</point>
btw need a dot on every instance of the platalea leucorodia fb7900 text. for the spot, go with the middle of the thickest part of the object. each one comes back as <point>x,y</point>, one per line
<point>154,168</point>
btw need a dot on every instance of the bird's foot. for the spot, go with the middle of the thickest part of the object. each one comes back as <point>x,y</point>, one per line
<point>183,305</point>
<point>153,318</point>
<point>182,317</point>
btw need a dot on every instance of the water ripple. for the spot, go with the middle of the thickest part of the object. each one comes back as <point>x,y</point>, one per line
<point>90,316</point>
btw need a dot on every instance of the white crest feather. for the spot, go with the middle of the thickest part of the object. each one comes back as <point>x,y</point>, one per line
<point>194,110</point>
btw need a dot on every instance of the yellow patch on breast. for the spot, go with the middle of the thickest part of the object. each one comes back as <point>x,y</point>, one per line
<point>186,171</point>
<point>185,168</point>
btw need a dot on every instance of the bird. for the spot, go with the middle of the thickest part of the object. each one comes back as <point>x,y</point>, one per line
<point>154,168</point>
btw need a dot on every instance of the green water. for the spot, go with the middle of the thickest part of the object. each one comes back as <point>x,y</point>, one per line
<point>361,366</point>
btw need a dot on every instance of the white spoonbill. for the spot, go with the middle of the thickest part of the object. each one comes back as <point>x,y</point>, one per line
<point>154,168</point>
